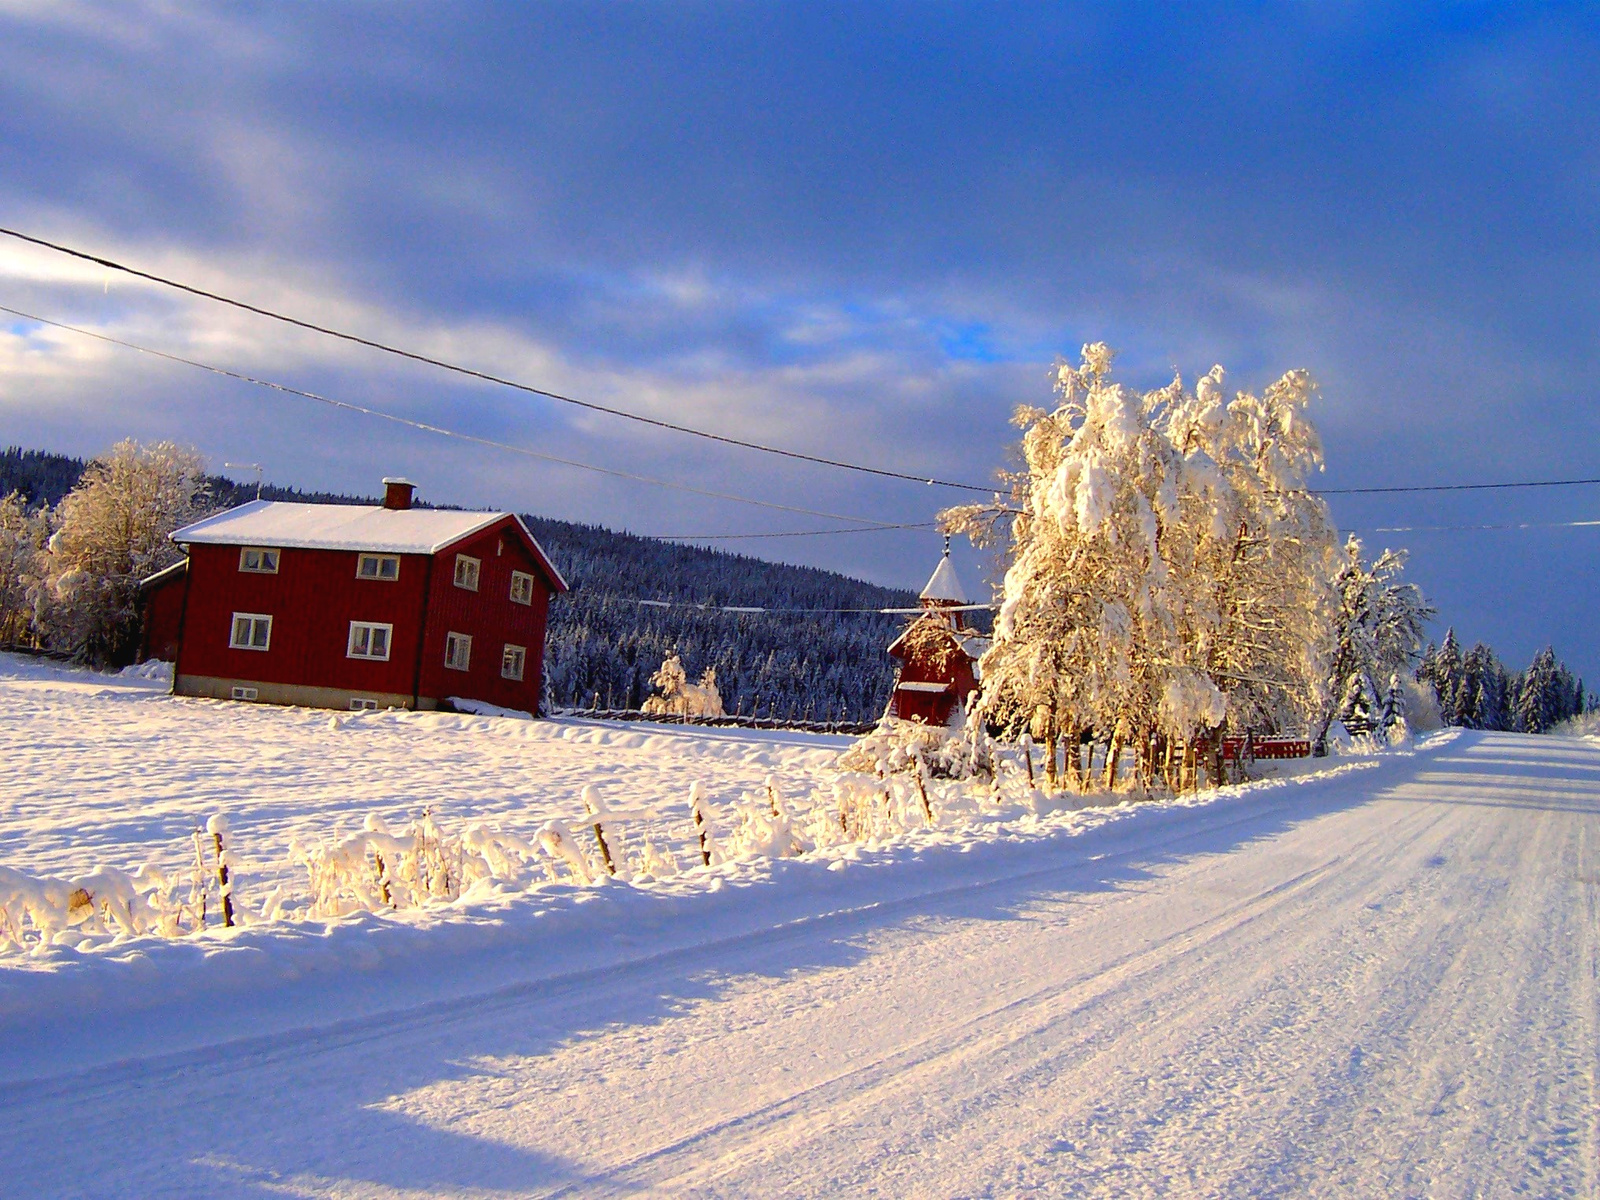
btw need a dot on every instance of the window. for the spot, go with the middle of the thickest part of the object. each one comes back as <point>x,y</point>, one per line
<point>258,561</point>
<point>368,640</point>
<point>363,704</point>
<point>513,661</point>
<point>251,631</point>
<point>466,572</point>
<point>457,651</point>
<point>521,587</point>
<point>245,693</point>
<point>378,566</point>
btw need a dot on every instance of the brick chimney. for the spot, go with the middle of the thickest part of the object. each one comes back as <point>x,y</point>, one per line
<point>397,493</point>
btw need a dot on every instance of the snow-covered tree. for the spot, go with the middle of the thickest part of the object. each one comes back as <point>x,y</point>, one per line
<point>1392,715</point>
<point>1445,670</point>
<point>1166,567</point>
<point>1377,632</point>
<point>112,531</point>
<point>676,696</point>
<point>1546,695</point>
<point>22,539</point>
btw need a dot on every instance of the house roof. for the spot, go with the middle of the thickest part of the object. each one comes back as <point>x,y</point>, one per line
<point>943,585</point>
<point>278,523</point>
<point>970,641</point>
<point>166,573</point>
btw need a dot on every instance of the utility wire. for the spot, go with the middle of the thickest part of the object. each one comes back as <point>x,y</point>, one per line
<point>738,609</point>
<point>724,537</point>
<point>1464,528</point>
<point>484,376</point>
<point>1449,487</point>
<point>449,433</point>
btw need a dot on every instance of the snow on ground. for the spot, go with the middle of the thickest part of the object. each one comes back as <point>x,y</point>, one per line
<point>1379,980</point>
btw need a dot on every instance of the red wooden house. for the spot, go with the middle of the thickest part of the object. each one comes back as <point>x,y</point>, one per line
<point>938,655</point>
<point>356,606</point>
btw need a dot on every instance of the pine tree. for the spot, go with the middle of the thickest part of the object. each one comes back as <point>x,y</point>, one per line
<point>1540,703</point>
<point>1358,710</point>
<point>1487,678</point>
<point>1392,721</point>
<point>1376,628</point>
<point>1446,677</point>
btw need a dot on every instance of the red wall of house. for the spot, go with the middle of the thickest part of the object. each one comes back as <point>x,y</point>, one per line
<point>490,618</point>
<point>315,595</point>
<point>933,707</point>
<point>312,600</point>
<point>163,616</point>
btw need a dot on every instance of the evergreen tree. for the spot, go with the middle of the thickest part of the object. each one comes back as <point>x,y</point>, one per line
<point>1392,720</point>
<point>1377,629</point>
<point>1489,707</point>
<point>1446,677</point>
<point>1359,709</point>
<point>1545,697</point>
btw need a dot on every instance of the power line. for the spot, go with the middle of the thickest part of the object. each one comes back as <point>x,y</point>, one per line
<point>745,609</point>
<point>483,376</point>
<point>1466,528</point>
<point>1449,487</point>
<point>724,537</point>
<point>450,433</point>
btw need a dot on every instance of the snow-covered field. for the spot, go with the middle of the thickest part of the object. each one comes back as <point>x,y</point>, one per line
<point>1376,980</point>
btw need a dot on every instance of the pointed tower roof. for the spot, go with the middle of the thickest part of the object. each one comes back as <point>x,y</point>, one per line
<point>943,585</point>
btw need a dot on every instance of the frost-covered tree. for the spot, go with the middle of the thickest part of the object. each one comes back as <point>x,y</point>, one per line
<point>1377,632</point>
<point>111,531</point>
<point>676,696</point>
<point>23,534</point>
<point>1166,567</point>
<point>1445,670</point>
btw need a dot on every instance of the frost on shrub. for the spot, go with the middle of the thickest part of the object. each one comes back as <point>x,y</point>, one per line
<point>377,869</point>
<point>676,696</point>
<point>897,746</point>
<point>37,911</point>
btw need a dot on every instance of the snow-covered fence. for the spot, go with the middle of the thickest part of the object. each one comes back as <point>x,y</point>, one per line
<point>899,781</point>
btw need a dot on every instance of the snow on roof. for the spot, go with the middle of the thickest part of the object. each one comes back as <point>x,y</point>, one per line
<point>336,527</point>
<point>161,576</point>
<point>943,584</point>
<point>976,645</point>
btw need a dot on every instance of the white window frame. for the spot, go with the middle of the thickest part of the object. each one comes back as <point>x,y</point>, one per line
<point>260,568</point>
<point>525,580</point>
<point>378,560</point>
<point>473,571</point>
<point>249,643</point>
<point>363,704</point>
<point>369,627</point>
<point>521,653</point>
<point>245,693</point>
<point>458,646</point>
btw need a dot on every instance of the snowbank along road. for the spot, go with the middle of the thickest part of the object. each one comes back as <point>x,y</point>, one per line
<point>1381,983</point>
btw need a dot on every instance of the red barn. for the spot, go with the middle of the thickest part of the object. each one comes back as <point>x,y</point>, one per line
<point>355,606</point>
<point>938,656</point>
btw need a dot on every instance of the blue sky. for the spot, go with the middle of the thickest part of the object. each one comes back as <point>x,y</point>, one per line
<point>860,230</point>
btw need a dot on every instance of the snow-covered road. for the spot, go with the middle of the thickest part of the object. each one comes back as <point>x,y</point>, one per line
<point>1378,985</point>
